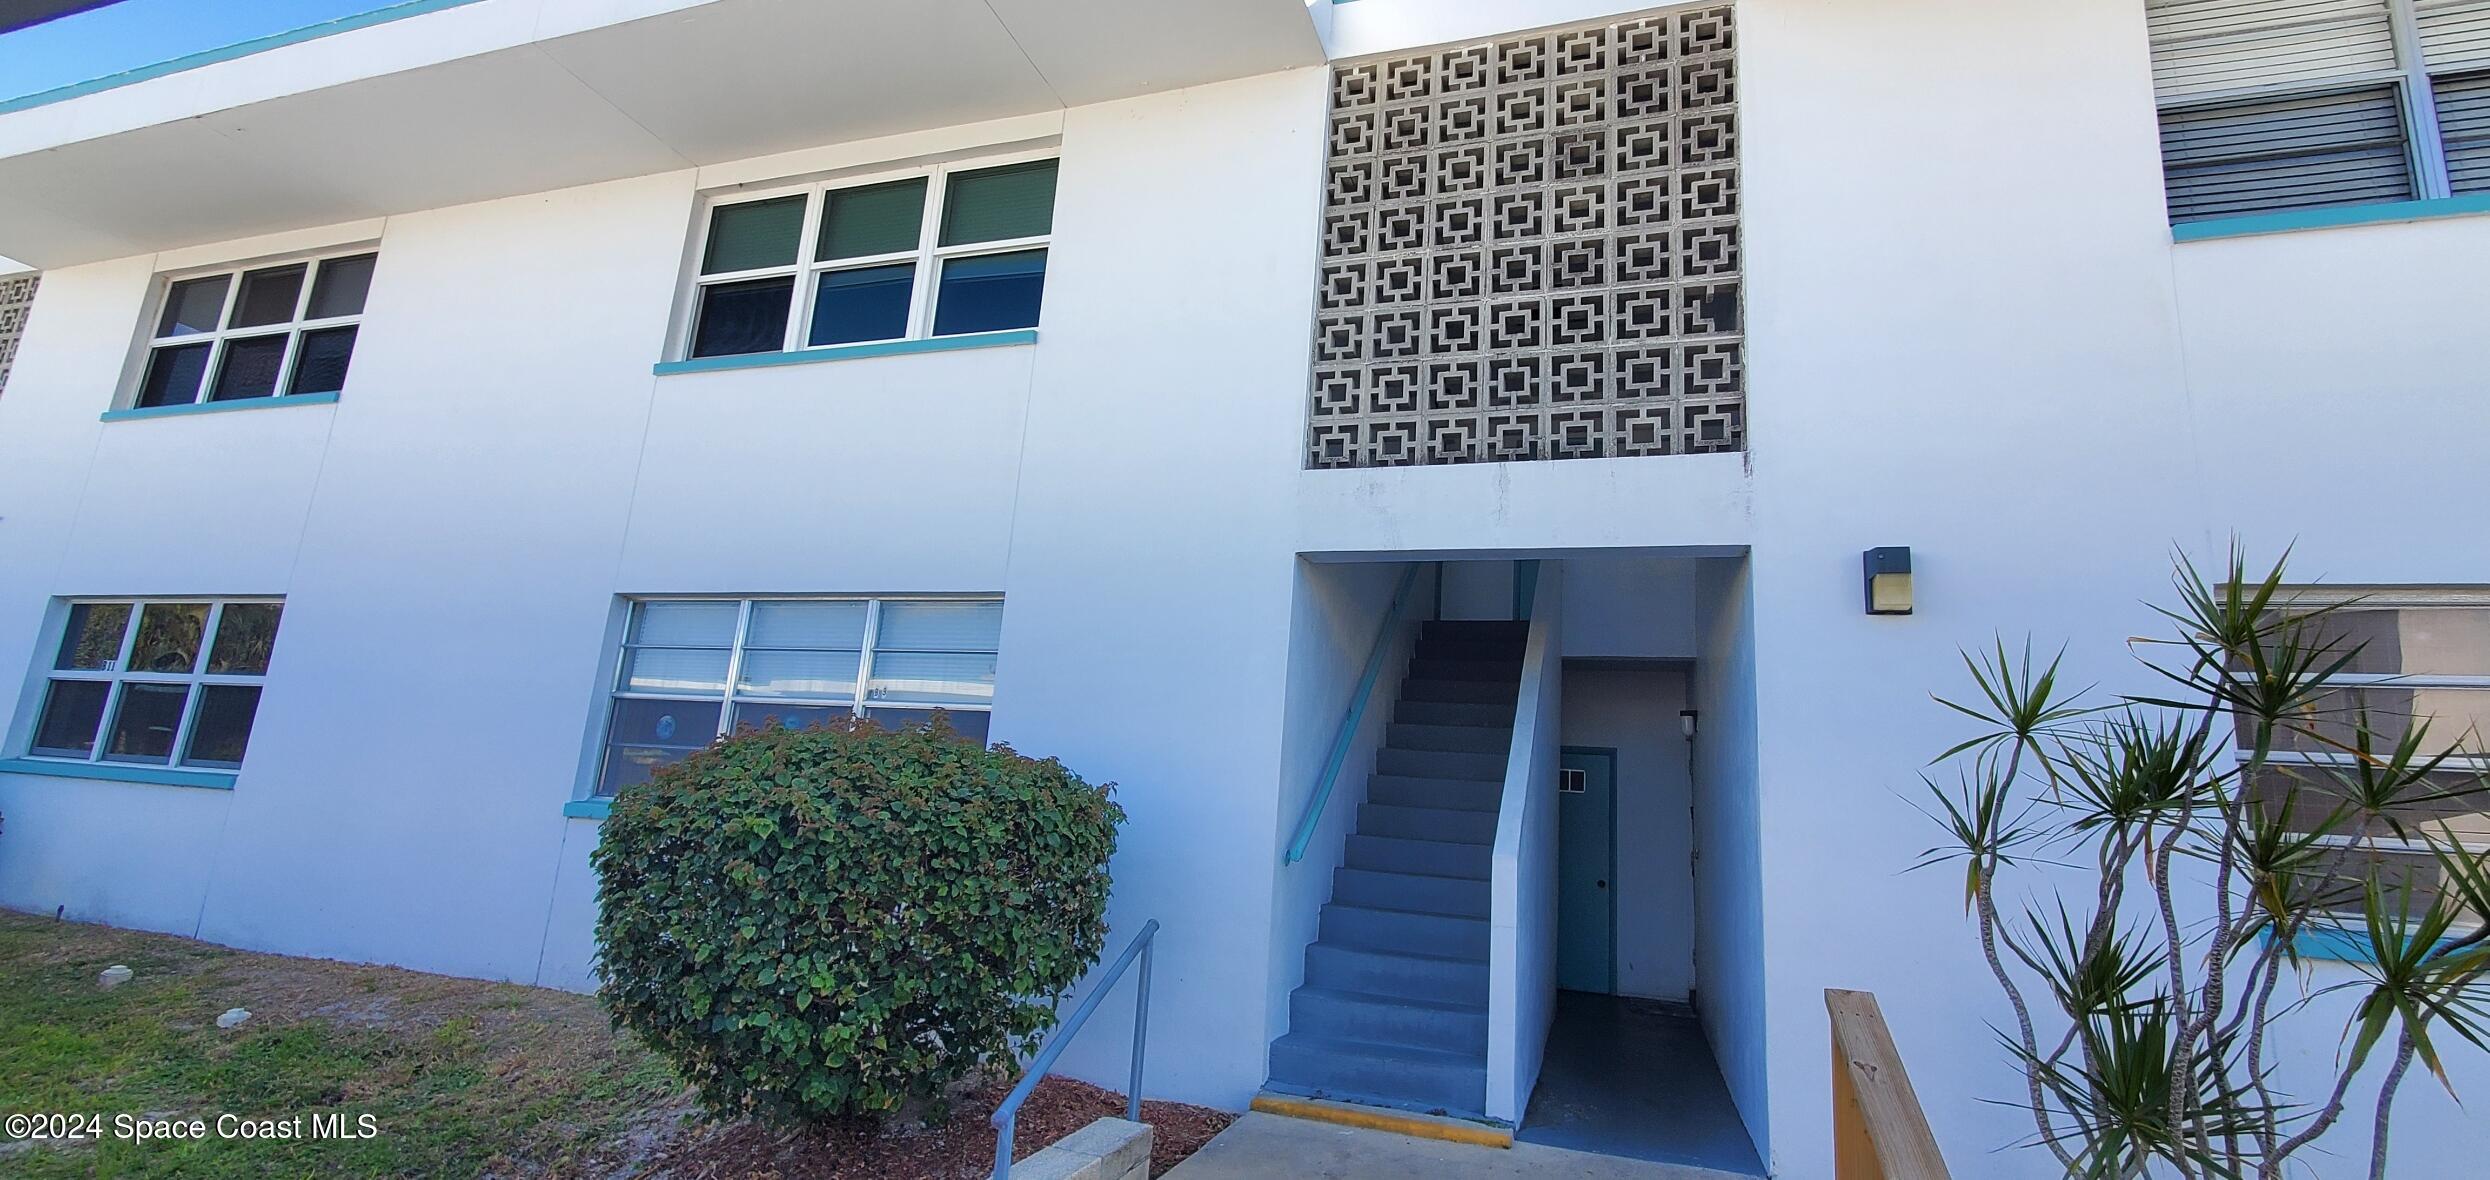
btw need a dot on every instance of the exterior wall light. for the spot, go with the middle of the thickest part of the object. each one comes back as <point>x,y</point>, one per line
<point>1888,579</point>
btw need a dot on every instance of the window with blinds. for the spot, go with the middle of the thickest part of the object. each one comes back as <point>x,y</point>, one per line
<point>2415,658</point>
<point>2274,105</point>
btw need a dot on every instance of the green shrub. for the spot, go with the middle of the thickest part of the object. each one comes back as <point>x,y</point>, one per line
<point>830,922</point>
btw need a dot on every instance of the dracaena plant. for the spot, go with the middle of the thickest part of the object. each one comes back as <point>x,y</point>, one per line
<point>2186,871</point>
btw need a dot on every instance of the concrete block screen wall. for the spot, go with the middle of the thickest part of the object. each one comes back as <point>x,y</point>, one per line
<point>1530,249</point>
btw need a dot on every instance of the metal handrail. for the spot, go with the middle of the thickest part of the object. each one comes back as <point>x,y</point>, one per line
<point>1009,1111</point>
<point>1350,723</point>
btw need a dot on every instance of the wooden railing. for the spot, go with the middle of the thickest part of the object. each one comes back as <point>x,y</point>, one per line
<point>1879,1131</point>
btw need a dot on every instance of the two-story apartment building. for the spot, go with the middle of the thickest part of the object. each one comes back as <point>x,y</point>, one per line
<point>1421,450</point>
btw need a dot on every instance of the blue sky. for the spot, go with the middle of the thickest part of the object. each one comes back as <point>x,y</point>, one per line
<point>135,33</point>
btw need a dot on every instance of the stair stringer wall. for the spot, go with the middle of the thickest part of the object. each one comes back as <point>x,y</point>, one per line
<point>1336,610</point>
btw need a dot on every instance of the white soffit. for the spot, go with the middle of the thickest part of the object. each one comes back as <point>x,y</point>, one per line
<point>469,104</point>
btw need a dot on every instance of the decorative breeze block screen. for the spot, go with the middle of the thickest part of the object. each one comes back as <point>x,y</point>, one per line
<point>1530,249</point>
<point>16,295</point>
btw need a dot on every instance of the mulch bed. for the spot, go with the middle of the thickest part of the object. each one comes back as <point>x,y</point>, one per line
<point>958,1150</point>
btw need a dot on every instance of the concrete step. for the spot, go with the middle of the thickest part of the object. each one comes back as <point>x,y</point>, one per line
<point>1391,973</point>
<point>1451,825</point>
<point>1494,651</point>
<point>1499,671</point>
<point>1428,1079</point>
<point>1414,892</point>
<point>1434,858</point>
<point>1413,712</point>
<point>1477,630</point>
<point>1439,935</point>
<point>1468,692</point>
<point>1440,764</point>
<point>1476,739</point>
<point>1402,790</point>
<point>1389,1020</point>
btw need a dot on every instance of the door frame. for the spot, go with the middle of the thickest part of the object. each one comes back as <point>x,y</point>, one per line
<point>1609,753</point>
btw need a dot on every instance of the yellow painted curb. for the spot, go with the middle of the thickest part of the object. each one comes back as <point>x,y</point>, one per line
<point>1375,1118</point>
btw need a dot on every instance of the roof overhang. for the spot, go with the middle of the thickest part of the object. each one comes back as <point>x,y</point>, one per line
<point>479,99</point>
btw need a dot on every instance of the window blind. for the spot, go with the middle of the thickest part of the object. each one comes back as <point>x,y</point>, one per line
<point>2211,47</point>
<point>2285,153</point>
<point>2455,34</point>
<point>2464,122</point>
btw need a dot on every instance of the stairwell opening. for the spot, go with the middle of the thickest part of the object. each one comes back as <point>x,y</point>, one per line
<point>1380,987</point>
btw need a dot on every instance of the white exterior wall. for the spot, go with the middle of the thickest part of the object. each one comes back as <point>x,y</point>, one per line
<point>1969,332</point>
<point>453,535</point>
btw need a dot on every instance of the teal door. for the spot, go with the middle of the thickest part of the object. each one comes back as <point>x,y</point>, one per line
<point>1586,871</point>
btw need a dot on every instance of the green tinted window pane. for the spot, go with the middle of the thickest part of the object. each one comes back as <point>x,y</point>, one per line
<point>875,219</point>
<point>168,636</point>
<point>144,723</point>
<point>749,315</point>
<point>249,368</point>
<point>244,635</point>
<point>193,305</point>
<point>1017,201</point>
<point>321,367</point>
<point>93,641</point>
<point>222,730</point>
<point>753,235</point>
<point>344,282</point>
<point>173,375</point>
<point>269,296</point>
<point>72,713</point>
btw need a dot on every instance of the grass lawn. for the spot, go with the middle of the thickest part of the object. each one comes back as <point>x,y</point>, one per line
<point>459,1077</point>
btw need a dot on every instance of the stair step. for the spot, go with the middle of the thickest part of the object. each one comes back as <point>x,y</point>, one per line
<point>1451,825</point>
<point>1470,692</point>
<point>1486,671</point>
<point>1476,739</point>
<point>1433,858</point>
<point>1465,897</point>
<point>1410,712</point>
<point>1463,794</point>
<point>1457,764</point>
<point>1477,630</point>
<point>1439,935</point>
<point>1428,1079</point>
<point>1389,1020</point>
<point>1391,973</point>
<point>1495,651</point>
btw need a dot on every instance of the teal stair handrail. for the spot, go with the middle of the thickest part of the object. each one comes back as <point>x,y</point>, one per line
<point>1356,718</point>
<point>1007,1112</point>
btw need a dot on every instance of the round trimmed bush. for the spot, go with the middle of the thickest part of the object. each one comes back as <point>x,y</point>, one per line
<point>831,922</point>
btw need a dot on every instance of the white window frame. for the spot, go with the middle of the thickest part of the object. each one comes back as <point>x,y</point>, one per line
<point>858,706</point>
<point>121,674</point>
<point>134,382</point>
<point>2425,145</point>
<point>929,255</point>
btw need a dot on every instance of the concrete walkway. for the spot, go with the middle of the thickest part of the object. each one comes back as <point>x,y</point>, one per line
<point>1265,1145</point>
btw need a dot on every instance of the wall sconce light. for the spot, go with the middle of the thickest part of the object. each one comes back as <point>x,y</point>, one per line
<point>1888,572</point>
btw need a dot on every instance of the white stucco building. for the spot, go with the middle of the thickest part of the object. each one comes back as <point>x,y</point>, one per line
<point>428,422</point>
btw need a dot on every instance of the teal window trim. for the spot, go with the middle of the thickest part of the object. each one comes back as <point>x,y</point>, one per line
<point>2332,943</point>
<point>247,403</point>
<point>162,776</point>
<point>588,808</point>
<point>2327,218</point>
<point>209,57</point>
<point>847,352</point>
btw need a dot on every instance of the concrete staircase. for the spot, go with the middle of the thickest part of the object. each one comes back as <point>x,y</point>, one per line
<point>1394,1007</point>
